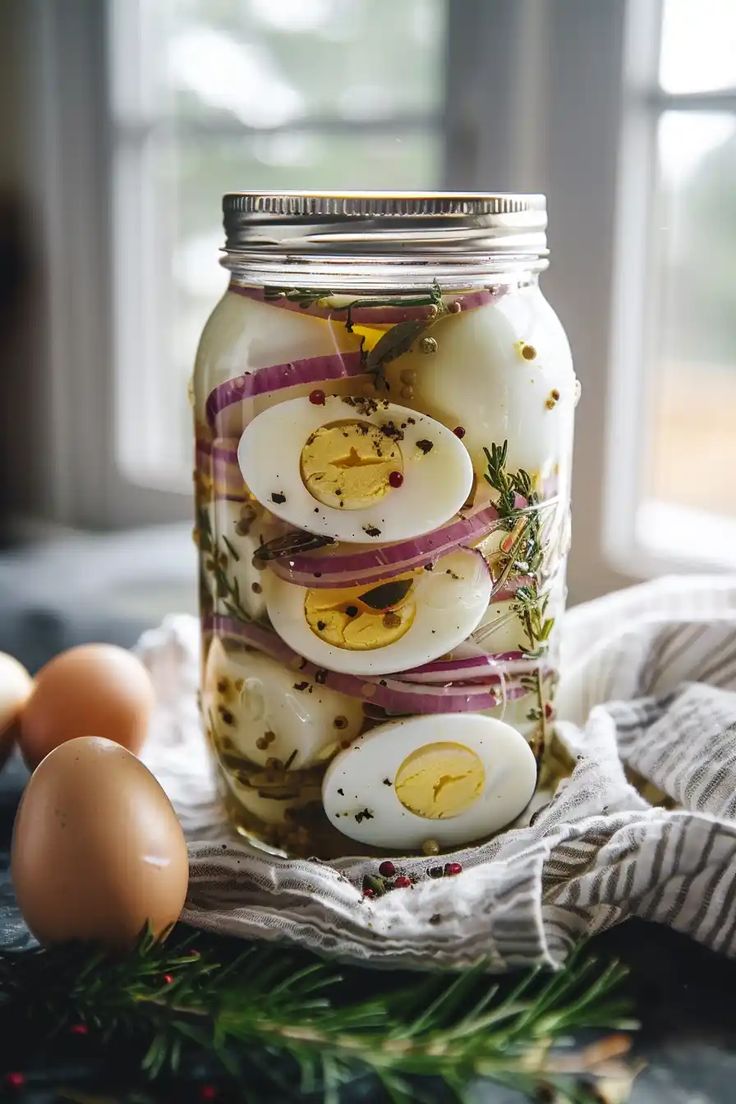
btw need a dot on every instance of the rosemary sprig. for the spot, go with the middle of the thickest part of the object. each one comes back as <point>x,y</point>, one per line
<point>297,1024</point>
<point>527,554</point>
<point>216,560</point>
<point>305,297</point>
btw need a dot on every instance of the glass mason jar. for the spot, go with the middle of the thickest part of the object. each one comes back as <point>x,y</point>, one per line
<point>384,414</point>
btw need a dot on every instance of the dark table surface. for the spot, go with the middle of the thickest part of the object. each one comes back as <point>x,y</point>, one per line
<point>682,992</point>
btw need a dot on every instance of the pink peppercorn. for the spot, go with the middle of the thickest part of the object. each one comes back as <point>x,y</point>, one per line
<point>452,869</point>
<point>387,869</point>
<point>459,431</point>
<point>317,398</point>
<point>402,882</point>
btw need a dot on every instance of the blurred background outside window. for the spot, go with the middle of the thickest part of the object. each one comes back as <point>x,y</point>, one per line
<point>133,117</point>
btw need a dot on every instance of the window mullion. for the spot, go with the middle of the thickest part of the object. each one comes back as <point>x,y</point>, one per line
<point>206,129</point>
<point>692,101</point>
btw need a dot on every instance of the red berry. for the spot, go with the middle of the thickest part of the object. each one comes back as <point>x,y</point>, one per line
<point>395,479</point>
<point>368,892</point>
<point>15,1080</point>
<point>402,882</point>
<point>168,979</point>
<point>208,1092</point>
<point>317,397</point>
<point>453,868</point>
<point>79,1029</point>
<point>387,869</point>
<point>459,432</point>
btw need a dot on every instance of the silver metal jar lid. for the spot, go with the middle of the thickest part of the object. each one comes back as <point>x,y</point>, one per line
<point>401,224</point>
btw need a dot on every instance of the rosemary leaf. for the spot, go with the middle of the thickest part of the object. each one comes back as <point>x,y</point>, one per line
<point>287,1018</point>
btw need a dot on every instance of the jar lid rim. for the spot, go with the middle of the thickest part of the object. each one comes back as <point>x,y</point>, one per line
<point>386,224</point>
<point>361,204</point>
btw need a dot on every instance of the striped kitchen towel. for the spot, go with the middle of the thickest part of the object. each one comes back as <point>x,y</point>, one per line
<point>643,826</point>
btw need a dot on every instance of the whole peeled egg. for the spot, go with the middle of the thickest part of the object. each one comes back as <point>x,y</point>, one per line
<point>97,849</point>
<point>90,690</point>
<point>15,689</point>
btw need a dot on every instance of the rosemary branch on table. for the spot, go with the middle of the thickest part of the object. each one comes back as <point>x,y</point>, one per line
<point>303,1026</point>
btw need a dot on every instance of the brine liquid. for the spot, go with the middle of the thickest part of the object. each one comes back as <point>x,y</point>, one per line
<point>493,368</point>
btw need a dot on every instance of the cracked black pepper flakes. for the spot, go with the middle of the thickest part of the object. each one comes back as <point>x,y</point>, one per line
<point>278,497</point>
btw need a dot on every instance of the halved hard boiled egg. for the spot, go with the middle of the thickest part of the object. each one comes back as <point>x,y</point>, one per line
<point>355,469</point>
<point>452,778</point>
<point>392,625</point>
<point>264,711</point>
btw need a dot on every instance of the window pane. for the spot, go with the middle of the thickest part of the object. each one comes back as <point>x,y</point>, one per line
<point>698,45</point>
<point>692,405</point>
<point>266,63</point>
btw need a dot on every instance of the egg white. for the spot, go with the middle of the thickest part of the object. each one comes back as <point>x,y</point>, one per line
<point>302,721</point>
<point>450,601</point>
<point>478,379</point>
<point>365,774</point>
<point>435,484</point>
<point>500,629</point>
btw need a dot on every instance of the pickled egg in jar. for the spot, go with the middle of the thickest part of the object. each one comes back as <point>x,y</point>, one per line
<point>383,414</point>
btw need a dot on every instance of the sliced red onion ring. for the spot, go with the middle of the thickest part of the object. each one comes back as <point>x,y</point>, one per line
<point>485,667</point>
<point>352,568</point>
<point>372,316</point>
<point>395,696</point>
<point>278,376</point>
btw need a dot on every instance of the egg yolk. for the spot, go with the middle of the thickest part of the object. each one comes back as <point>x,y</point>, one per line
<point>358,619</point>
<point>347,464</point>
<point>440,780</point>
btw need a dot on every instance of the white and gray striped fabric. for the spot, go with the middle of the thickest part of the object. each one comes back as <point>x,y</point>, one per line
<point>648,692</point>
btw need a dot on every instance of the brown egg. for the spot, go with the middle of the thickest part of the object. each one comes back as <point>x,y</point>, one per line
<point>15,688</point>
<point>91,690</point>
<point>97,849</point>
